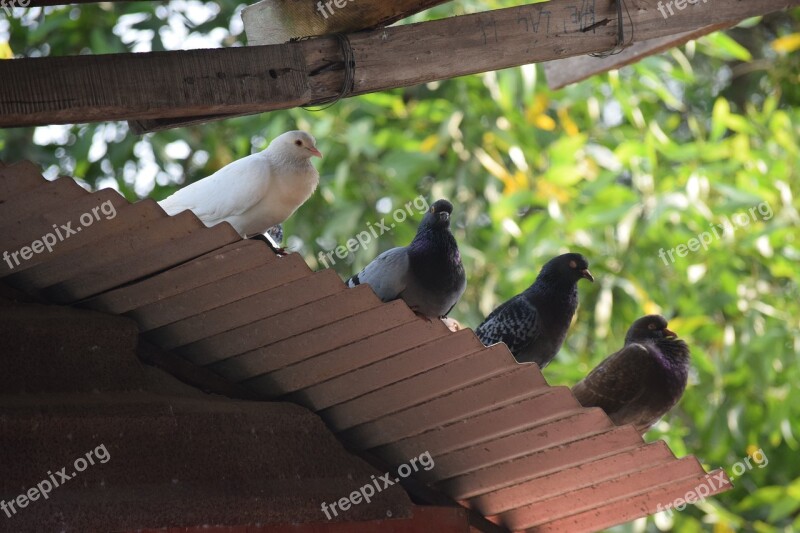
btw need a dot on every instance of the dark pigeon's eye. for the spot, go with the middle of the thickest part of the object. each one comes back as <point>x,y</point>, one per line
<point>298,142</point>
<point>651,326</point>
<point>573,264</point>
<point>433,209</point>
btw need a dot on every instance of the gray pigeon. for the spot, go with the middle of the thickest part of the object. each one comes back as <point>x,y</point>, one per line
<point>427,274</point>
<point>534,324</point>
<point>641,382</point>
<point>276,232</point>
<point>273,237</point>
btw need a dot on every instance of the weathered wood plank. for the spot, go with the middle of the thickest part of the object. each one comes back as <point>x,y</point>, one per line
<point>279,21</point>
<point>565,72</point>
<point>264,78</point>
<point>43,3</point>
<point>92,88</point>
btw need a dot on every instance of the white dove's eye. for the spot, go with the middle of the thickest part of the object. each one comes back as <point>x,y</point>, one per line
<point>298,142</point>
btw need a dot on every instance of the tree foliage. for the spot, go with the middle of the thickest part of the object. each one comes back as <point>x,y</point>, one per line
<point>620,168</point>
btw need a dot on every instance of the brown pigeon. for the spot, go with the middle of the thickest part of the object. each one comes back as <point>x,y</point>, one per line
<point>641,382</point>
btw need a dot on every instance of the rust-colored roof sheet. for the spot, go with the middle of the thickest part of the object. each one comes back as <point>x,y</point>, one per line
<point>175,458</point>
<point>507,445</point>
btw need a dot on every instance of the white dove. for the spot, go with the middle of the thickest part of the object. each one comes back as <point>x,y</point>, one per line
<point>256,192</point>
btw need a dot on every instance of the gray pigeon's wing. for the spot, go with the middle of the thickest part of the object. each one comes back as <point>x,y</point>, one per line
<point>515,323</point>
<point>431,302</point>
<point>457,295</point>
<point>618,381</point>
<point>387,274</point>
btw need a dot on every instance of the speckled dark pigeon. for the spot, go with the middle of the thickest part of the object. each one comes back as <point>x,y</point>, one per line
<point>276,232</point>
<point>273,237</point>
<point>534,324</point>
<point>641,382</point>
<point>427,274</point>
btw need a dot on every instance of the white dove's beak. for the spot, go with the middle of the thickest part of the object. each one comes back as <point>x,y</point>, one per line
<point>315,152</point>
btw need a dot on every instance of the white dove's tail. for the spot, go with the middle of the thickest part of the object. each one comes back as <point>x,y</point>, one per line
<point>170,208</point>
<point>178,202</point>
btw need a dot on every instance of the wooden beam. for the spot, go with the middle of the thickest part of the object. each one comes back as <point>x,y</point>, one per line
<point>559,73</point>
<point>279,21</point>
<point>255,79</point>
<point>94,88</point>
<point>264,78</point>
<point>565,72</point>
<point>44,3</point>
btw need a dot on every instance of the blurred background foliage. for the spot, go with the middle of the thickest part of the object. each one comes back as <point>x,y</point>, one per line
<point>617,167</point>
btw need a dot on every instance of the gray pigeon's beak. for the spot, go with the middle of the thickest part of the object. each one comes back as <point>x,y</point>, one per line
<point>444,216</point>
<point>315,152</point>
<point>587,275</point>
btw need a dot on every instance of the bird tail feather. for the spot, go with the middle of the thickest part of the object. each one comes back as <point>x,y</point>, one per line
<point>170,207</point>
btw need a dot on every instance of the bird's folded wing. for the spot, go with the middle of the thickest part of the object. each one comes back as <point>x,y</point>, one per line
<point>515,323</point>
<point>456,296</point>
<point>230,191</point>
<point>387,274</point>
<point>619,379</point>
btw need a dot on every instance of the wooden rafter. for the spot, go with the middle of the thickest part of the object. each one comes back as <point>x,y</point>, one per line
<point>279,21</point>
<point>248,80</point>
<point>43,3</point>
<point>565,72</point>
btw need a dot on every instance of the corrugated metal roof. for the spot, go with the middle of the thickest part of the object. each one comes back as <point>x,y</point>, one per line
<point>174,458</point>
<point>506,444</point>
